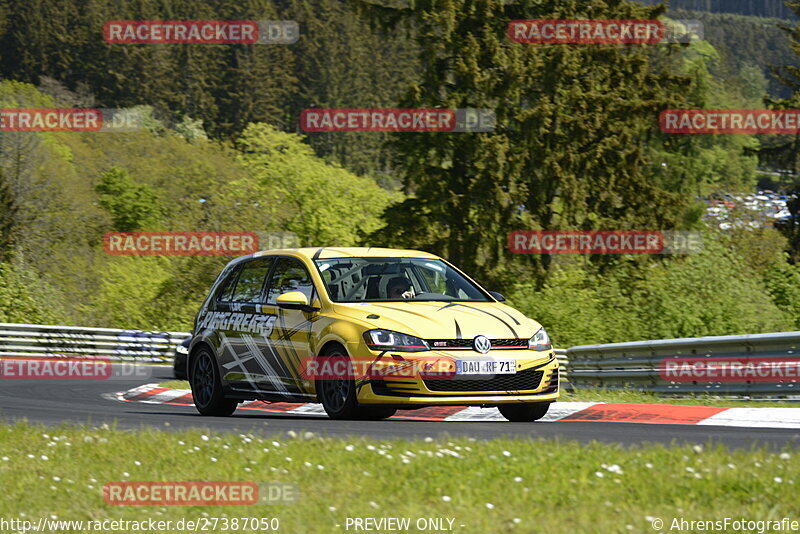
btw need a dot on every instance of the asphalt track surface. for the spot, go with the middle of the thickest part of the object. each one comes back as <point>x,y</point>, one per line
<point>51,402</point>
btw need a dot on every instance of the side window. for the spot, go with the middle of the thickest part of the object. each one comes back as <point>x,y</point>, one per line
<point>225,293</point>
<point>289,275</point>
<point>251,280</point>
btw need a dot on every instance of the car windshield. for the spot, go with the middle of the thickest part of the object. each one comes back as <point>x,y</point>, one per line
<point>396,279</point>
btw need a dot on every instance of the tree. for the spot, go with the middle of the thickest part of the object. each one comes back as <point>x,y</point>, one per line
<point>225,86</point>
<point>570,147</point>
<point>132,206</point>
<point>699,165</point>
<point>344,60</point>
<point>9,211</point>
<point>328,205</point>
<point>782,152</point>
<point>26,298</point>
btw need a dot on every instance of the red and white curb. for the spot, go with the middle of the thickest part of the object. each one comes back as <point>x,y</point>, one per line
<point>664,414</point>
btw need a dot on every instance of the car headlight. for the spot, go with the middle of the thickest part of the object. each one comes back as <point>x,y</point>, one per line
<point>540,341</point>
<point>180,349</point>
<point>387,340</point>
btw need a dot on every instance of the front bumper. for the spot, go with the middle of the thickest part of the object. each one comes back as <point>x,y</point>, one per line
<point>536,380</point>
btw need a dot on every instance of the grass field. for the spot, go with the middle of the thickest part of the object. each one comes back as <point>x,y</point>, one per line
<point>636,397</point>
<point>496,486</point>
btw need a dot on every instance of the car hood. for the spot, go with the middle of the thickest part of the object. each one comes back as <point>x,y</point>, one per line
<point>442,320</point>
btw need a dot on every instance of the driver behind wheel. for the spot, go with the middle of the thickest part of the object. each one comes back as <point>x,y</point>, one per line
<point>400,288</point>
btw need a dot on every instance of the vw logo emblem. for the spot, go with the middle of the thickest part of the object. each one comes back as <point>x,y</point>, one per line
<point>482,344</point>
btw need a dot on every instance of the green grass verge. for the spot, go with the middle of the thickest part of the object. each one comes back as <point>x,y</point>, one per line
<point>601,395</point>
<point>502,485</point>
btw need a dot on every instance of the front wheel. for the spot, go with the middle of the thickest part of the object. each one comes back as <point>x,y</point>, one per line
<point>338,394</point>
<point>524,413</point>
<point>337,390</point>
<point>207,386</point>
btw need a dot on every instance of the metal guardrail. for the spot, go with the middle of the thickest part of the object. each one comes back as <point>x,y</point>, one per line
<point>563,362</point>
<point>563,369</point>
<point>23,340</point>
<point>634,365</point>
<point>640,365</point>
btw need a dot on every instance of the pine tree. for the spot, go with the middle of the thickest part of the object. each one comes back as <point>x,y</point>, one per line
<point>570,147</point>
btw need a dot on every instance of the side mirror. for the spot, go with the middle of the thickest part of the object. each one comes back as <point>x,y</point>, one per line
<point>498,296</point>
<point>294,300</point>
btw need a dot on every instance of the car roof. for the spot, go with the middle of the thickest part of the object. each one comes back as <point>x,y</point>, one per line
<point>348,252</point>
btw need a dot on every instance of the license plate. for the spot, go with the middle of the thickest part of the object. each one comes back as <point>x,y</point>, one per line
<point>486,367</point>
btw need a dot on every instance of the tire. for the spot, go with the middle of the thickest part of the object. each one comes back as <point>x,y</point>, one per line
<point>524,413</point>
<point>207,386</point>
<point>339,397</point>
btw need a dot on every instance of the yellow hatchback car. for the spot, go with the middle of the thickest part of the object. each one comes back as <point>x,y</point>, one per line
<point>365,331</point>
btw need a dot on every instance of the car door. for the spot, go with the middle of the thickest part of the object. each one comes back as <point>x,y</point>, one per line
<point>293,328</point>
<point>245,331</point>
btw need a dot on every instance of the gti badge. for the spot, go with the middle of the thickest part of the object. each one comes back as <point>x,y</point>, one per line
<point>482,344</point>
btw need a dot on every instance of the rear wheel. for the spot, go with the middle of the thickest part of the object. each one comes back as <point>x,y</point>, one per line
<point>207,386</point>
<point>524,413</point>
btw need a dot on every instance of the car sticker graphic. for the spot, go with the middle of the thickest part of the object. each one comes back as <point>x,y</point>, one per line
<point>291,354</point>
<point>252,352</point>
<point>512,317</point>
<point>452,304</point>
<point>361,383</point>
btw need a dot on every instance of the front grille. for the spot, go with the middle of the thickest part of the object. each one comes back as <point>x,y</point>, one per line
<point>497,344</point>
<point>526,380</point>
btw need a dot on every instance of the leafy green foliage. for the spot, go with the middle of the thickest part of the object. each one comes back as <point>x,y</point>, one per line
<point>704,164</point>
<point>760,8</point>
<point>783,284</point>
<point>746,44</point>
<point>132,206</point>
<point>327,205</point>
<point>127,292</point>
<point>69,189</point>
<point>714,292</point>
<point>26,298</point>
